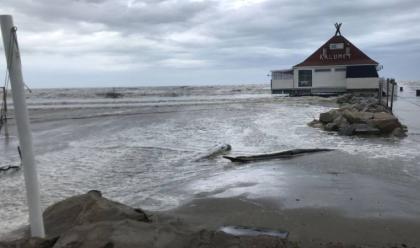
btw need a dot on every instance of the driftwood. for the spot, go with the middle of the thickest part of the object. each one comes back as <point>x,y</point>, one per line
<point>284,154</point>
<point>218,150</point>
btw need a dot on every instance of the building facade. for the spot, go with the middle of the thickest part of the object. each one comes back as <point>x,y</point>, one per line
<point>338,66</point>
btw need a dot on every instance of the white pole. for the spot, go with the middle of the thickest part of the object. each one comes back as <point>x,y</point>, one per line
<point>23,127</point>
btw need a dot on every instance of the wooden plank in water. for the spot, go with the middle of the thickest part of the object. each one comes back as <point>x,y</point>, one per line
<point>276,155</point>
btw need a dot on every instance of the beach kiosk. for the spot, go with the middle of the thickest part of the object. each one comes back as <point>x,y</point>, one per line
<point>336,67</point>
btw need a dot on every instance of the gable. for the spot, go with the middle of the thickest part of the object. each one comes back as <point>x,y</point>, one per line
<point>338,51</point>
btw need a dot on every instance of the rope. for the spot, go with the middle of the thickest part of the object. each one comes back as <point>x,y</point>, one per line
<point>15,41</point>
<point>12,41</point>
<point>9,167</point>
<point>3,108</point>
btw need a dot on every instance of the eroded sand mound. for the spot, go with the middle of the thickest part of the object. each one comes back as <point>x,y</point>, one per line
<point>90,220</point>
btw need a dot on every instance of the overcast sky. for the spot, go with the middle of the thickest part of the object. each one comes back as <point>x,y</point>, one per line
<point>89,43</point>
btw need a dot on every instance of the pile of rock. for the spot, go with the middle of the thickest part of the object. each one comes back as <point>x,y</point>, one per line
<point>360,115</point>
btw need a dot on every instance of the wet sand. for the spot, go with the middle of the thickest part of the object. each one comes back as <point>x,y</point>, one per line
<point>319,199</point>
<point>308,227</point>
<point>198,223</point>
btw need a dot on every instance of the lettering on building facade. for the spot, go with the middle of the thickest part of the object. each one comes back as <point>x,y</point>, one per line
<point>345,55</point>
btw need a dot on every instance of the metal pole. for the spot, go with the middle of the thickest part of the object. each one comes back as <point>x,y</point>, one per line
<point>23,127</point>
<point>392,93</point>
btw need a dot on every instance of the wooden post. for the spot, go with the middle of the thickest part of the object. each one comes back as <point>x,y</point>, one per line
<point>392,93</point>
<point>387,92</point>
<point>14,64</point>
<point>381,85</point>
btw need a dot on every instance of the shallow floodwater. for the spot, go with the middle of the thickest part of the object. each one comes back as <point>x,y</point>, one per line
<point>142,149</point>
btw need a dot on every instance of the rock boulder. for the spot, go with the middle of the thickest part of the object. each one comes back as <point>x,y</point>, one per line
<point>341,122</point>
<point>29,243</point>
<point>331,127</point>
<point>357,116</point>
<point>385,122</point>
<point>329,116</point>
<point>84,209</point>
<point>315,123</point>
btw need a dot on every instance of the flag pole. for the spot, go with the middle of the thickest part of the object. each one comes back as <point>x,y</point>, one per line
<point>23,126</point>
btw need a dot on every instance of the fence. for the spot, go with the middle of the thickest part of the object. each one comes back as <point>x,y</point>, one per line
<point>387,92</point>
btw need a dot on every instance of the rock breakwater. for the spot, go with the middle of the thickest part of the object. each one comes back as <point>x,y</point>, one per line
<point>360,115</point>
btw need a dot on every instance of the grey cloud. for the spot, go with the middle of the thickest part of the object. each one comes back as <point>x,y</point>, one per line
<point>114,14</point>
<point>210,34</point>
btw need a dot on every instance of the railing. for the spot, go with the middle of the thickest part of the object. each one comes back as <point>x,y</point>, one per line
<point>387,89</point>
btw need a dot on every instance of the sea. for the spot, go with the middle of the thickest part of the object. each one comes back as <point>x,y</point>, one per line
<point>143,149</point>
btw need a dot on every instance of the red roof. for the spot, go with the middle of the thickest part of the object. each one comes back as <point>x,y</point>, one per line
<point>338,51</point>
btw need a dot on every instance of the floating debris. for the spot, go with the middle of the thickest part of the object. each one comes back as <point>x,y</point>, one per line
<point>284,154</point>
<point>113,95</point>
<point>216,151</point>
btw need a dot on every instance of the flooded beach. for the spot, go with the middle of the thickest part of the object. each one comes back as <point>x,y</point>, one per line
<point>142,149</point>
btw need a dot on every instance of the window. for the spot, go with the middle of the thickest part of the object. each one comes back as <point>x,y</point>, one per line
<point>362,71</point>
<point>305,78</point>
<point>336,46</point>
<point>322,70</point>
<point>282,75</point>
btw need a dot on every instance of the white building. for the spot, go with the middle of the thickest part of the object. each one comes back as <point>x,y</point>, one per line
<point>336,67</point>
